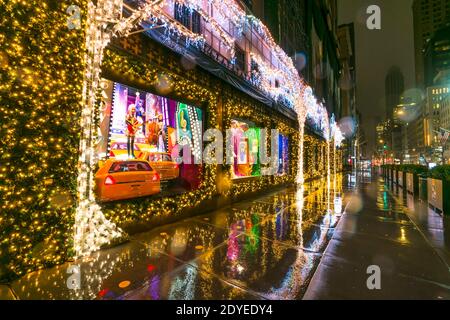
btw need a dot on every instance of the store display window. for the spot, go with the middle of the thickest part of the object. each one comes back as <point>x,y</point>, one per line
<point>245,144</point>
<point>283,155</point>
<point>155,129</point>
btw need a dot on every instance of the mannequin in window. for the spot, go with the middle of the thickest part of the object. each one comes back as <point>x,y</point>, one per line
<point>244,167</point>
<point>133,126</point>
<point>236,134</point>
<point>184,134</point>
<point>152,132</point>
<point>139,105</point>
<point>161,134</point>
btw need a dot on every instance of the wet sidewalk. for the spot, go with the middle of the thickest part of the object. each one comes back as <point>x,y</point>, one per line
<point>385,228</point>
<point>264,248</point>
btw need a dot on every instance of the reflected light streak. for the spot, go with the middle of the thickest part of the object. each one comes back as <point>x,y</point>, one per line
<point>299,270</point>
<point>182,288</point>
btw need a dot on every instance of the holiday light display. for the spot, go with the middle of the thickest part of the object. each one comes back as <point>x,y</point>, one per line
<point>40,89</point>
<point>291,78</point>
<point>92,229</point>
<point>57,75</point>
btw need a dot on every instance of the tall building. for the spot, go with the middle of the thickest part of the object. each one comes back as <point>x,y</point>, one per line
<point>445,113</point>
<point>388,146</point>
<point>381,146</point>
<point>346,40</point>
<point>360,139</point>
<point>416,137</point>
<point>408,130</point>
<point>323,56</point>
<point>437,57</point>
<point>347,81</point>
<point>436,97</point>
<point>394,87</point>
<point>429,16</point>
<point>379,129</point>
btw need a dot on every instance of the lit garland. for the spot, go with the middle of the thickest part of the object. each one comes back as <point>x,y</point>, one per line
<point>156,13</point>
<point>153,14</point>
<point>290,83</point>
<point>198,6</point>
<point>41,81</point>
<point>92,229</point>
<point>269,76</point>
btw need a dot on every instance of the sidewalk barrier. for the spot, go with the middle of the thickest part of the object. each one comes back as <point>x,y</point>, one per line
<point>423,186</point>
<point>439,195</point>
<point>412,184</point>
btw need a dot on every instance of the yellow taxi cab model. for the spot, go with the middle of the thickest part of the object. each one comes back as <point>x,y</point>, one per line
<point>162,162</point>
<point>126,179</point>
<point>145,147</point>
<point>118,150</point>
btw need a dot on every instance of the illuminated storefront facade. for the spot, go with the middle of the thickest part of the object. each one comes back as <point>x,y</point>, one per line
<point>176,97</point>
<point>217,105</point>
<point>191,94</point>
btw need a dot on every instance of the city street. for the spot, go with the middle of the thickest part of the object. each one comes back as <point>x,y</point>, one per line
<point>267,248</point>
<point>383,226</point>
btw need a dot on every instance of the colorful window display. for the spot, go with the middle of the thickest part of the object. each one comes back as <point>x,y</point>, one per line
<point>245,143</point>
<point>155,129</point>
<point>283,155</point>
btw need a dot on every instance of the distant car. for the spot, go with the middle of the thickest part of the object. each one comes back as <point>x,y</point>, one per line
<point>126,179</point>
<point>118,150</point>
<point>162,162</point>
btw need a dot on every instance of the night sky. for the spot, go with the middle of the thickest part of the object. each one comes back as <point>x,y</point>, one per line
<point>376,52</point>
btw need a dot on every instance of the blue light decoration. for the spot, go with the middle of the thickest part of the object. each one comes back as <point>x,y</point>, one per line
<point>283,155</point>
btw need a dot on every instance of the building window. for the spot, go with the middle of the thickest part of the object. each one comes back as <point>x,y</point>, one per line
<point>188,18</point>
<point>277,83</point>
<point>196,27</point>
<point>240,59</point>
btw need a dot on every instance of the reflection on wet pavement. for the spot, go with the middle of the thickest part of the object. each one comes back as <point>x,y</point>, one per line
<point>435,227</point>
<point>266,248</point>
<point>382,226</point>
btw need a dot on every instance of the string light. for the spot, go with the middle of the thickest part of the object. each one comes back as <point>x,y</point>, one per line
<point>40,88</point>
<point>92,230</point>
